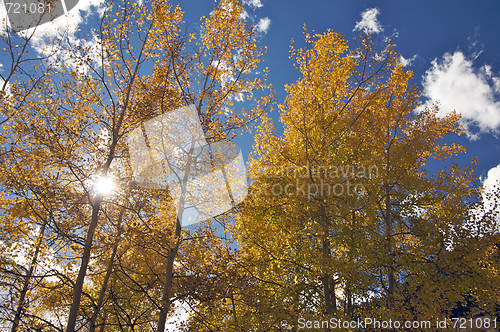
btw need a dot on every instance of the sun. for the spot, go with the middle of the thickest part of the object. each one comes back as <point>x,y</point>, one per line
<point>104,185</point>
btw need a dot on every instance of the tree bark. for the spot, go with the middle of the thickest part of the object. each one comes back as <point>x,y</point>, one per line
<point>169,275</point>
<point>27,278</point>
<point>328,285</point>
<point>77,292</point>
<point>109,270</point>
<point>388,235</point>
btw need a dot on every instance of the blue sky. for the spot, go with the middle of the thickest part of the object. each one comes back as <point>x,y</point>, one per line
<point>453,48</point>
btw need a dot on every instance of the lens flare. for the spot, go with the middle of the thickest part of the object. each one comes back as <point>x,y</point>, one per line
<point>104,185</point>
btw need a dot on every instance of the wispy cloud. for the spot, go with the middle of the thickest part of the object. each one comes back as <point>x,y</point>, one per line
<point>69,21</point>
<point>369,22</point>
<point>243,15</point>
<point>65,25</point>
<point>409,61</point>
<point>254,3</point>
<point>263,24</point>
<point>457,85</point>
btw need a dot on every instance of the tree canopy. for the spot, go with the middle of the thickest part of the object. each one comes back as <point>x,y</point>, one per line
<point>343,219</point>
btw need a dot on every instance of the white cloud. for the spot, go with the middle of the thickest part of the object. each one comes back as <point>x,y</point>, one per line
<point>180,316</point>
<point>492,179</point>
<point>369,22</point>
<point>4,89</point>
<point>491,185</point>
<point>457,85</point>
<point>254,3</point>
<point>3,18</point>
<point>263,24</point>
<point>63,25</point>
<point>407,62</point>
<point>243,15</point>
<point>484,216</point>
<point>225,71</point>
<point>69,21</point>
